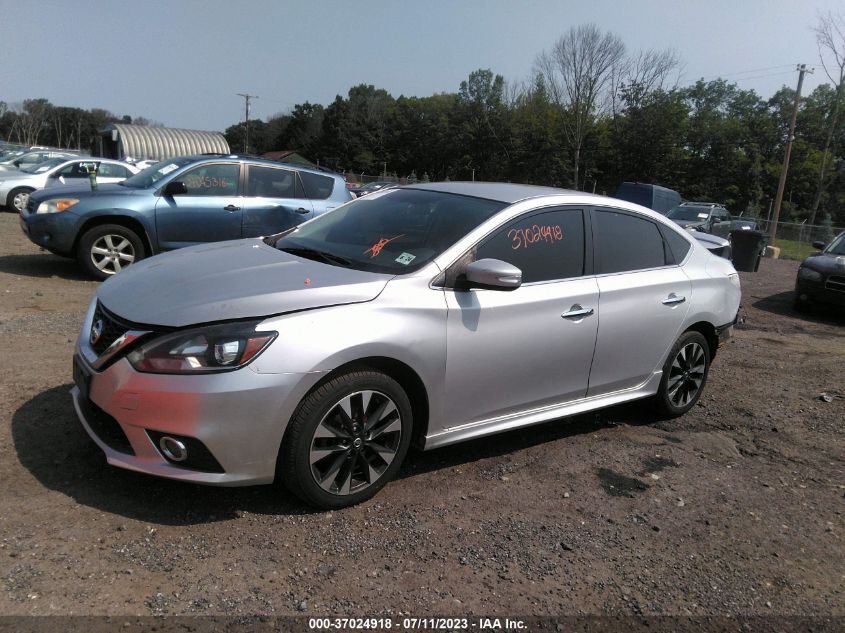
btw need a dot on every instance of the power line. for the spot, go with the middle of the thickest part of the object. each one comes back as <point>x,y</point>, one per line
<point>745,72</point>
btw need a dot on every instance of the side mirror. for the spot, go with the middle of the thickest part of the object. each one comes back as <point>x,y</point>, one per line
<point>174,188</point>
<point>17,163</point>
<point>819,245</point>
<point>492,274</point>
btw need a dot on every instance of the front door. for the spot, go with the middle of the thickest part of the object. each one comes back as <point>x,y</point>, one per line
<point>210,211</point>
<point>509,352</point>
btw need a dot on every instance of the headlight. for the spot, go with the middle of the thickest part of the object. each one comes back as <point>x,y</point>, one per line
<point>202,350</point>
<point>809,274</point>
<point>56,206</point>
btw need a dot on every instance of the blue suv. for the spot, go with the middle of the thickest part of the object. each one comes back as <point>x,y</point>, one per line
<point>177,202</point>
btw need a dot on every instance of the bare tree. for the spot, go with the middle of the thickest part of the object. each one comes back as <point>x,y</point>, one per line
<point>577,71</point>
<point>830,39</point>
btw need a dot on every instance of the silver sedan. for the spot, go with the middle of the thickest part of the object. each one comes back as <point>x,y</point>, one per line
<point>15,186</point>
<point>431,313</point>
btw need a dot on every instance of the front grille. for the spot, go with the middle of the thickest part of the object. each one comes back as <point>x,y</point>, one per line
<point>111,328</point>
<point>835,282</point>
<point>105,427</point>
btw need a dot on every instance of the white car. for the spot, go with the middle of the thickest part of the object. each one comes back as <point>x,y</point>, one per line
<point>15,186</point>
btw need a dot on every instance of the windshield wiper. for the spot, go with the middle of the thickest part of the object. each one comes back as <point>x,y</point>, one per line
<point>311,253</point>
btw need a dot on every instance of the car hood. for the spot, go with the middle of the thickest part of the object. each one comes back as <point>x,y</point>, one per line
<point>231,280</point>
<point>826,263</point>
<point>84,191</point>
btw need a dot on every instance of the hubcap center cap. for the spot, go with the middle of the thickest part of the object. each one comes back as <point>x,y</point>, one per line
<point>357,443</point>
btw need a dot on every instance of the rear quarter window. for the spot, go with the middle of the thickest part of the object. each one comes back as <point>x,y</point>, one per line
<point>317,187</point>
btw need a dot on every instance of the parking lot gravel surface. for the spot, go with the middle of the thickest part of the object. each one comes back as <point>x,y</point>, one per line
<point>734,509</point>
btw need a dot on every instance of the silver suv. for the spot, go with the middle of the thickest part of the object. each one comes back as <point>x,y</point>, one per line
<point>436,313</point>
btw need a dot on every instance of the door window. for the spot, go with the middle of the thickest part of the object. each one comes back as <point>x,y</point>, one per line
<point>271,182</point>
<point>212,180</point>
<point>625,242</point>
<point>77,170</point>
<point>110,170</point>
<point>544,246</point>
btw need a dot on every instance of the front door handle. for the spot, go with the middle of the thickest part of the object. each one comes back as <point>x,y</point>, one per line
<point>577,311</point>
<point>302,210</point>
<point>231,207</point>
<point>672,299</point>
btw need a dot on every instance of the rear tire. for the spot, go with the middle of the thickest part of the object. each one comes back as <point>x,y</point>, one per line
<point>346,440</point>
<point>107,249</point>
<point>18,198</point>
<point>684,375</point>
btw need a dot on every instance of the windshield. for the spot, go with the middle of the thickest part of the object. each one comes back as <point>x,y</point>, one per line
<point>10,158</point>
<point>151,175</point>
<point>396,232</point>
<point>837,246</point>
<point>689,213</point>
<point>40,168</point>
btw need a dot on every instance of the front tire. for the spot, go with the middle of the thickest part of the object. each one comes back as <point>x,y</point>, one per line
<point>684,375</point>
<point>107,249</point>
<point>18,198</point>
<point>346,440</point>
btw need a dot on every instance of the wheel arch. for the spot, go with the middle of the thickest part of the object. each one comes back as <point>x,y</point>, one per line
<point>708,331</point>
<point>127,221</point>
<point>9,201</point>
<point>402,373</point>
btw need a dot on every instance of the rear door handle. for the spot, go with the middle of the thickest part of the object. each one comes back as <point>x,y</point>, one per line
<point>231,207</point>
<point>577,311</point>
<point>302,210</point>
<point>673,299</point>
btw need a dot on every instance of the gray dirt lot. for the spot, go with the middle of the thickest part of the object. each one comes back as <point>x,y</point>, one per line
<point>737,508</point>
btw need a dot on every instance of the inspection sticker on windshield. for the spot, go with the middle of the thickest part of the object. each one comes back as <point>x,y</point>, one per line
<point>405,258</point>
<point>703,216</point>
<point>167,169</point>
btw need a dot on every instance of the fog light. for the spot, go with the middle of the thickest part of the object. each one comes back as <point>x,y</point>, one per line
<point>173,449</point>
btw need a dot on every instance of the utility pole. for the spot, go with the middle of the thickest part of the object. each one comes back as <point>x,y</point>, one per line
<point>246,97</point>
<point>773,227</point>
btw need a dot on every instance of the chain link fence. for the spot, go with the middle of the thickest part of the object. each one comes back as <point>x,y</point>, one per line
<point>806,233</point>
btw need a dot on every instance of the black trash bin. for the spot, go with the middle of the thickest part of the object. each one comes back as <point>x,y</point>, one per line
<point>746,249</point>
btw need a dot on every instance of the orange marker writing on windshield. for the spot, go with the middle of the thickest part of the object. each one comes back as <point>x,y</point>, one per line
<point>375,249</point>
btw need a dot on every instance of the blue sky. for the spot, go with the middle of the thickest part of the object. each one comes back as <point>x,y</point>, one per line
<point>181,62</point>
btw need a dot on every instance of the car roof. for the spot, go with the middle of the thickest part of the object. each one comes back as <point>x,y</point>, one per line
<point>261,161</point>
<point>498,191</point>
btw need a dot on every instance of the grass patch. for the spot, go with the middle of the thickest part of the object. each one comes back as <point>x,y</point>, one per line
<point>793,249</point>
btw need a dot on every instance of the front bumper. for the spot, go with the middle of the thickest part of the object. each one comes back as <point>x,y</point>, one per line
<point>54,231</point>
<point>239,417</point>
<point>826,291</point>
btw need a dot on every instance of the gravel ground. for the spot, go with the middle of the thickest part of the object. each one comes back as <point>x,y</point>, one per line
<point>734,509</point>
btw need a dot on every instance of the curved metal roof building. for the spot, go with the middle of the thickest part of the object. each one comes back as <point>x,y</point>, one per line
<point>120,140</point>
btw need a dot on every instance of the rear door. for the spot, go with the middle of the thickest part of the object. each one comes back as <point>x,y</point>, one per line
<point>274,201</point>
<point>643,300</point>
<point>210,211</point>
